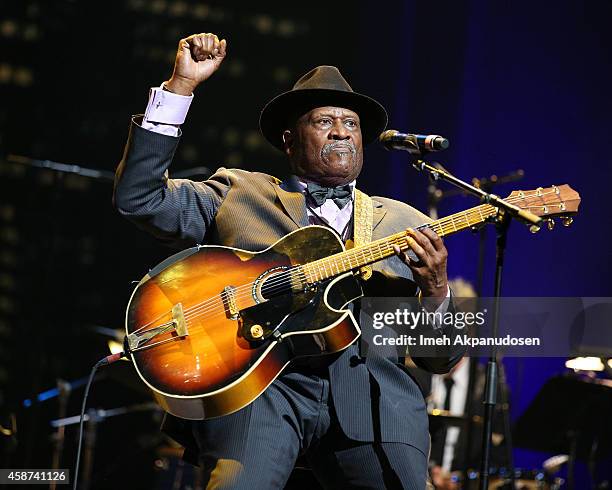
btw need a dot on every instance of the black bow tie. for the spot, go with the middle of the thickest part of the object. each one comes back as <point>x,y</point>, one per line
<point>341,194</point>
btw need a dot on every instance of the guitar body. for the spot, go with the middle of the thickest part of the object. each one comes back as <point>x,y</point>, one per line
<point>214,365</point>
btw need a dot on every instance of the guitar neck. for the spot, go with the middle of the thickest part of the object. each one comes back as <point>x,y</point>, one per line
<point>355,258</point>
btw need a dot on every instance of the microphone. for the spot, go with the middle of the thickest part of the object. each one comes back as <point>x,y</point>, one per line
<point>416,144</point>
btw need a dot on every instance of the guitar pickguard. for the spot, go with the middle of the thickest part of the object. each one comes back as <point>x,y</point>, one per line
<point>301,311</point>
<point>279,316</point>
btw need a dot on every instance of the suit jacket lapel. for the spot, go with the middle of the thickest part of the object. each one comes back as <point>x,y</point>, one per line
<point>293,200</point>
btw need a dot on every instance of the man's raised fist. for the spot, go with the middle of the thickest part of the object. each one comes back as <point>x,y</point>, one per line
<point>197,58</point>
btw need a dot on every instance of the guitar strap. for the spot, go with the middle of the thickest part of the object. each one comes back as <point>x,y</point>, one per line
<point>362,235</point>
<point>362,227</point>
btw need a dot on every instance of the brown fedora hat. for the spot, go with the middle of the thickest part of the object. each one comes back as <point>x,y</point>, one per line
<point>320,87</point>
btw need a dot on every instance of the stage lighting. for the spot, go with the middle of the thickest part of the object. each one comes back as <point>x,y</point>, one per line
<point>585,364</point>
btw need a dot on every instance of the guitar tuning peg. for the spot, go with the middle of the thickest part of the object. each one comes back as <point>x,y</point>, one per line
<point>550,223</point>
<point>567,221</point>
<point>534,229</point>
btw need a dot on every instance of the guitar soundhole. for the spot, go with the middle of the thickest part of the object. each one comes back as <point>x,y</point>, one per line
<point>272,283</point>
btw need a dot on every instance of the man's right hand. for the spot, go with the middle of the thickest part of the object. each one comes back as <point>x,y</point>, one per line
<point>198,57</point>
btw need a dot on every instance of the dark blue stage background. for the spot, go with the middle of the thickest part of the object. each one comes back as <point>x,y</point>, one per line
<point>512,85</point>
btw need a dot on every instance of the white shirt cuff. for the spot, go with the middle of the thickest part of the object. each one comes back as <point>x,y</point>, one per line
<point>444,305</point>
<point>166,107</point>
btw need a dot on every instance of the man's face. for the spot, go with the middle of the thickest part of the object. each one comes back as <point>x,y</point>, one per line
<point>325,146</point>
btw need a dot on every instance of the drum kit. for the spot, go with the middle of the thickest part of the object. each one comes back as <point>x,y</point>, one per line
<point>500,478</point>
<point>570,417</point>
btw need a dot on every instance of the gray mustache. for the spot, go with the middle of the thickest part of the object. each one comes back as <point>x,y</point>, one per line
<point>346,145</point>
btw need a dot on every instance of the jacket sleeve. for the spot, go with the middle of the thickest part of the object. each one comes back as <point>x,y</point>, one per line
<point>439,359</point>
<point>177,211</point>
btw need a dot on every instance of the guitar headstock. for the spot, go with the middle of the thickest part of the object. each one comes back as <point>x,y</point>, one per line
<point>548,202</point>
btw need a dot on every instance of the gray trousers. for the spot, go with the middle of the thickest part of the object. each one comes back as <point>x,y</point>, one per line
<point>257,447</point>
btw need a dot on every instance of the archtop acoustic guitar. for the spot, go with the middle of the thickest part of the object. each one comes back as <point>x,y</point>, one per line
<point>211,327</point>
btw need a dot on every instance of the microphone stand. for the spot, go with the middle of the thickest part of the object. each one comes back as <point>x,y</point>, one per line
<point>63,168</point>
<point>506,211</point>
<point>64,390</point>
<point>94,173</point>
<point>434,196</point>
<point>487,184</point>
<point>93,418</point>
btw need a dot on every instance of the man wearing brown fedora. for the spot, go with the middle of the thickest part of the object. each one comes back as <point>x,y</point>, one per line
<point>360,421</point>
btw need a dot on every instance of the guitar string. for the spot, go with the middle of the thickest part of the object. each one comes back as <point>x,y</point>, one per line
<point>384,249</point>
<point>218,309</point>
<point>284,279</point>
<point>197,312</point>
<point>222,311</point>
<point>271,287</point>
<point>441,225</point>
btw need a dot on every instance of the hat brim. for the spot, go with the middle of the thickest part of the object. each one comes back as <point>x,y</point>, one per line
<point>280,112</point>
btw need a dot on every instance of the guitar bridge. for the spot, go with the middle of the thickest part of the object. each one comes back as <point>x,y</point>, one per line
<point>138,339</point>
<point>178,318</point>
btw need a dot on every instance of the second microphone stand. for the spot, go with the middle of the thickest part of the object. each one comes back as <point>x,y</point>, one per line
<point>506,211</point>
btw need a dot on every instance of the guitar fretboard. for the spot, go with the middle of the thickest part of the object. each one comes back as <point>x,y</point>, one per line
<point>355,258</point>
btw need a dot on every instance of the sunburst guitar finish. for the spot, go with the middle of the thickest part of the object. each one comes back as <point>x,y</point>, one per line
<point>227,297</point>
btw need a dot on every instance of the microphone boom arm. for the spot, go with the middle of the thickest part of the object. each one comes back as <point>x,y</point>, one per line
<point>523,215</point>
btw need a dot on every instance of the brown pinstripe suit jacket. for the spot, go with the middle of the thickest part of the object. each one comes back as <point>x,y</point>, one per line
<point>375,399</point>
